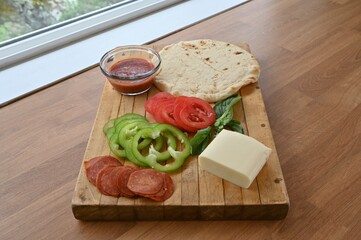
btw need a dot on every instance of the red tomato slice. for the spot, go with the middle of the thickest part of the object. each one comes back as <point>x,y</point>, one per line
<point>187,113</point>
<point>167,115</point>
<point>194,120</point>
<point>180,103</point>
<point>176,115</point>
<point>193,114</point>
<point>148,106</point>
<point>153,100</point>
<point>202,106</point>
<point>159,107</point>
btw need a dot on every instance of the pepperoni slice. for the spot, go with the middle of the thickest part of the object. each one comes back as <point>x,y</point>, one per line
<point>105,181</point>
<point>122,181</point>
<point>169,187</point>
<point>113,179</point>
<point>145,182</point>
<point>91,162</point>
<point>166,190</point>
<point>94,165</point>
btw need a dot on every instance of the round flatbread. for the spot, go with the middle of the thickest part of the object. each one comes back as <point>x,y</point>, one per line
<point>208,69</point>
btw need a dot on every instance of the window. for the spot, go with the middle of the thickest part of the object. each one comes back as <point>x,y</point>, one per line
<point>30,66</point>
<point>19,17</point>
<point>75,21</point>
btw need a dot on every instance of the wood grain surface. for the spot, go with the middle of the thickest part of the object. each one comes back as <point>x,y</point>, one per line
<point>310,54</point>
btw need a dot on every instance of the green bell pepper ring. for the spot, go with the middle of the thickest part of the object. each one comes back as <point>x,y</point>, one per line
<point>125,136</point>
<point>120,124</point>
<point>116,129</point>
<point>125,122</point>
<point>151,159</point>
<point>108,125</point>
<point>119,150</point>
<point>128,131</point>
<point>113,138</point>
<point>112,122</point>
<point>115,147</point>
<point>130,156</point>
<point>164,155</point>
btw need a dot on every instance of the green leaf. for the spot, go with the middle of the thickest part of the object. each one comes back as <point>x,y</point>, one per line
<point>200,140</point>
<point>235,125</point>
<point>224,112</point>
<point>223,106</point>
<point>223,121</point>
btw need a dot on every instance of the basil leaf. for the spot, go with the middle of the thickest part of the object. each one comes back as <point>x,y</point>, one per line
<point>223,121</point>
<point>222,106</point>
<point>224,112</point>
<point>235,125</point>
<point>200,140</point>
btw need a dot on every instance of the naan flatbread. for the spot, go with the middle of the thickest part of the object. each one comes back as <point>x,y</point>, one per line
<point>207,69</point>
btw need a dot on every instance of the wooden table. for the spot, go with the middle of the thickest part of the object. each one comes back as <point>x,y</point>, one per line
<point>309,52</point>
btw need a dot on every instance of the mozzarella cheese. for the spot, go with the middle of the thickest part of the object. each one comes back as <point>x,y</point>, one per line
<point>234,157</point>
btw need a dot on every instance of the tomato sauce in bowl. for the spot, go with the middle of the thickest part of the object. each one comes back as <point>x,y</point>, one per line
<point>131,67</point>
<point>131,70</point>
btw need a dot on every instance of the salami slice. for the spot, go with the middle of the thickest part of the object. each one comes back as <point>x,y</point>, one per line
<point>145,182</point>
<point>94,165</point>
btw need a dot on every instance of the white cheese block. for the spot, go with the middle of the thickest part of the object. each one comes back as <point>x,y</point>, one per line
<point>234,157</point>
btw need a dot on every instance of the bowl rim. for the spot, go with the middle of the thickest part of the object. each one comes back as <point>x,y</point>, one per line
<point>132,77</point>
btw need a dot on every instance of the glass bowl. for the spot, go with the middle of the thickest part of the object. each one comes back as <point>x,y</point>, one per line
<point>131,69</point>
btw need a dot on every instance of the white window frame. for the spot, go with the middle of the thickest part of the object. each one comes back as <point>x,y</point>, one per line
<point>68,31</point>
<point>37,71</point>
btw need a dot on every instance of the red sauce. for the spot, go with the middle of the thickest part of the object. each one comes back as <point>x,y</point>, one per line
<point>132,67</point>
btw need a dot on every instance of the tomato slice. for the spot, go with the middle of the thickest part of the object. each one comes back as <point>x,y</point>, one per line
<point>148,106</point>
<point>151,102</point>
<point>159,107</point>
<point>191,120</point>
<point>187,113</point>
<point>193,114</point>
<point>167,115</point>
<point>178,107</point>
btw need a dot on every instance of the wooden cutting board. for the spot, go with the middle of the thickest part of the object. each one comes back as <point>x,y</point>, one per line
<point>198,194</point>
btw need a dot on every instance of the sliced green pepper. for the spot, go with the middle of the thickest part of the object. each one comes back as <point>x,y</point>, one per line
<point>127,132</point>
<point>113,136</point>
<point>125,122</point>
<point>108,125</point>
<point>164,155</point>
<point>130,156</point>
<point>112,122</point>
<point>115,147</point>
<point>151,159</point>
<point>121,124</point>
